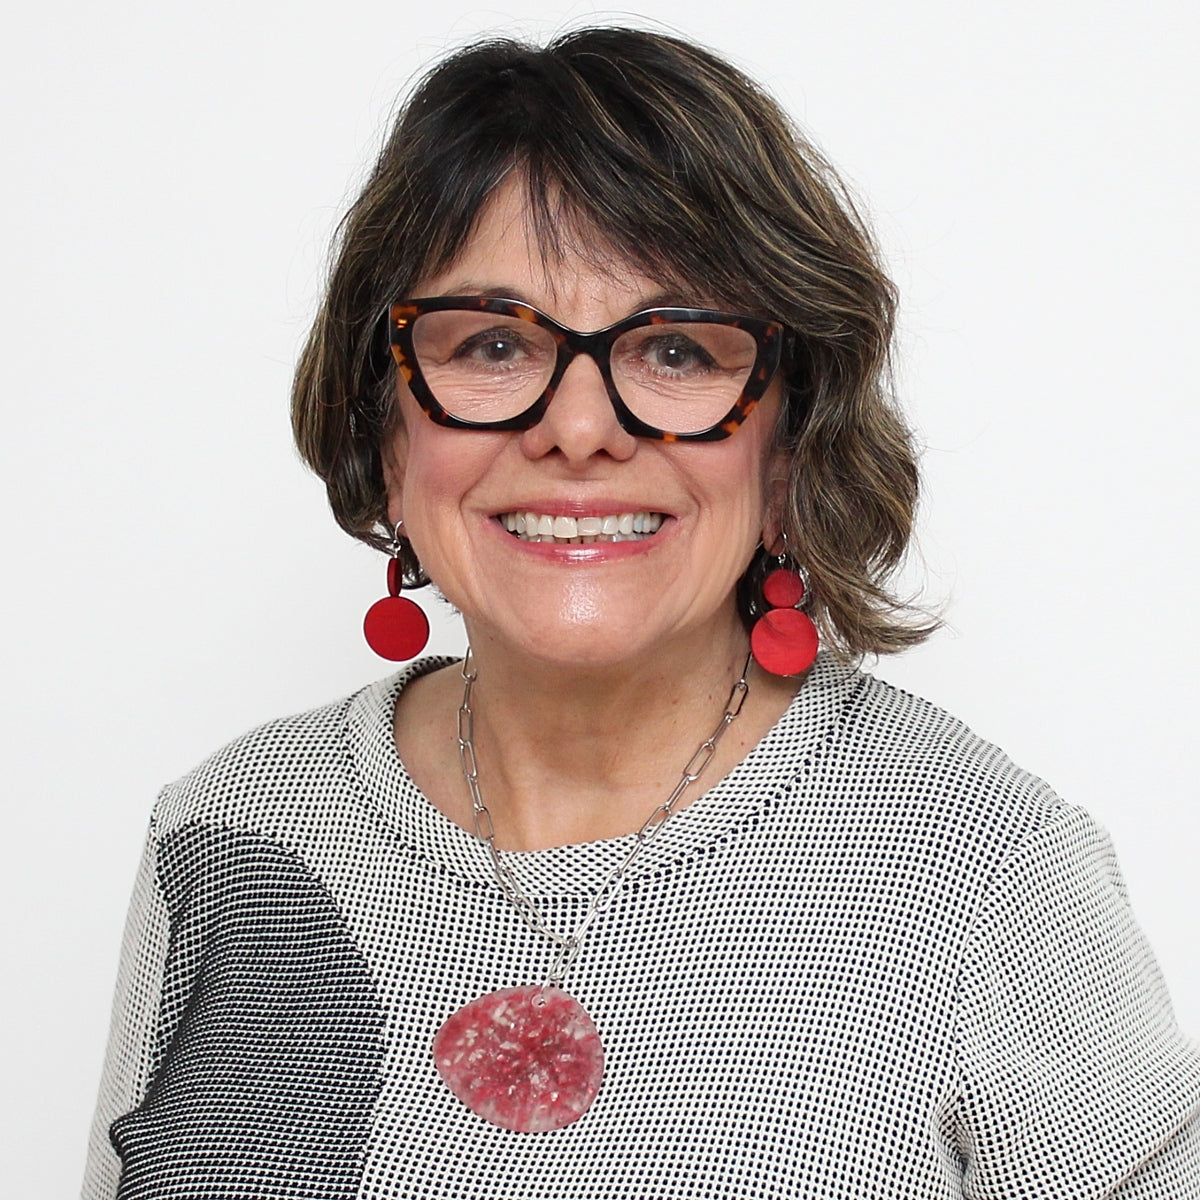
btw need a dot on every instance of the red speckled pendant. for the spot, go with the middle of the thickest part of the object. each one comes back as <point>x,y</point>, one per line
<point>524,1058</point>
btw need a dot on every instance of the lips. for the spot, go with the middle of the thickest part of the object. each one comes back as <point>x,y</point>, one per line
<point>612,527</point>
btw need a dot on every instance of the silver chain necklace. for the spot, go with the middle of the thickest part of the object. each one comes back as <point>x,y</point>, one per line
<point>529,1058</point>
<point>569,944</point>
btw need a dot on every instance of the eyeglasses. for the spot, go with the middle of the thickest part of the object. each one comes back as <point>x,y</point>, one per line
<point>675,374</point>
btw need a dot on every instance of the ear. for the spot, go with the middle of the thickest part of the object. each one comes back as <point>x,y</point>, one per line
<point>775,503</point>
<point>393,455</point>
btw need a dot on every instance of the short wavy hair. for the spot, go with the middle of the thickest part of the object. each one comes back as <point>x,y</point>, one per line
<point>663,153</point>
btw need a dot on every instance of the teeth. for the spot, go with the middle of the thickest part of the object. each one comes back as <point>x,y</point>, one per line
<point>615,527</point>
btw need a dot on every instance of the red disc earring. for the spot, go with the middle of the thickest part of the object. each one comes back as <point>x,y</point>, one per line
<point>784,640</point>
<point>395,627</point>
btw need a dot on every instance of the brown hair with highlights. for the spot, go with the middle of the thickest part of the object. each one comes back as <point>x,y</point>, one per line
<point>673,160</point>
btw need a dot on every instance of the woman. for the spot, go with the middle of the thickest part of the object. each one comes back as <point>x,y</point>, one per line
<point>640,899</point>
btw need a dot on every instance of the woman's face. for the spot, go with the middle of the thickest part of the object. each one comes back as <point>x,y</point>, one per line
<point>583,604</point>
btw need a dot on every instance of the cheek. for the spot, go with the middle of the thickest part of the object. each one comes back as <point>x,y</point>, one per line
<point>737,475</point>
<point>441,472</point>
<point>423,459</point>
<point>436,477</point>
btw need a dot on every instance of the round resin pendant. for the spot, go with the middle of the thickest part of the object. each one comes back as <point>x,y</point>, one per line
<point>524,1058</point>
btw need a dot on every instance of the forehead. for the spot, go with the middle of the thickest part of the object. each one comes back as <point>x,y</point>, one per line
<point>568,268</point>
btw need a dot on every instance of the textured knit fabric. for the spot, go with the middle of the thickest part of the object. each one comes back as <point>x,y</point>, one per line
<point>875,961</point>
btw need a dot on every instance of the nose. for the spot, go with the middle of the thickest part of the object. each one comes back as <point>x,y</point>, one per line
<point>580,422</point>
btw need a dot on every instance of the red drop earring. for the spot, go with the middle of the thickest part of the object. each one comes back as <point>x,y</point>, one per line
<point>784,640</point>
<point>395,627</point>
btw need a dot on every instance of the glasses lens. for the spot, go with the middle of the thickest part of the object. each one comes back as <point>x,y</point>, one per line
<point>480,366</point>
<point>682,377</point>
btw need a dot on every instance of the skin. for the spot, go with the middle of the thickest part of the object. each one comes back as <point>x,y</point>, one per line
<point>600,667</point>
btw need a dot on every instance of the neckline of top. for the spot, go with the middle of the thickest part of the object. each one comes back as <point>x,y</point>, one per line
<point>740,798</point>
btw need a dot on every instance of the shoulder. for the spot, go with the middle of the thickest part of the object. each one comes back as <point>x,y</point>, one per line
<point>307,760</point>
<point>919,768</point>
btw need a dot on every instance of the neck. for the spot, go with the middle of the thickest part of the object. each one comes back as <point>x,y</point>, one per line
<point>569,754</point>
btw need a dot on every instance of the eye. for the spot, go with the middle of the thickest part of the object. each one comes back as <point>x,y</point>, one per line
<point>493,347</point>
<point>675,354</point>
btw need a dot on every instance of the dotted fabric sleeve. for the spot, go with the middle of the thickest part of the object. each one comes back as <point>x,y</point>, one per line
<point>876,962</point>
<point>132,1049</point>
<point>1075,1072</point>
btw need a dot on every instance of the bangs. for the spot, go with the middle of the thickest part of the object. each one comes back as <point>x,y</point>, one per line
<point>606,174</point>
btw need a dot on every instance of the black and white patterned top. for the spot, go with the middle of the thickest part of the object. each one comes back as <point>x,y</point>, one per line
<point>875,961</point>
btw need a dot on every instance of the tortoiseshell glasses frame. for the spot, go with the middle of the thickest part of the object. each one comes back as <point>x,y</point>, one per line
<point>770,338</point>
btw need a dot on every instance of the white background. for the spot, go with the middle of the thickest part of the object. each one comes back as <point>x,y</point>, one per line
<point>171,574</point>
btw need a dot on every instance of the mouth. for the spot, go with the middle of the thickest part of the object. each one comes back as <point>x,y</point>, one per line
<point>580,531</point>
